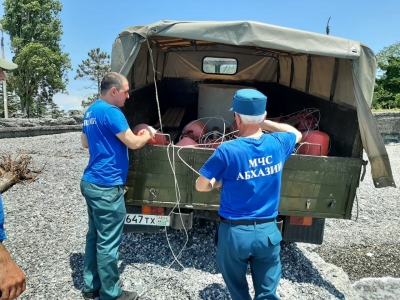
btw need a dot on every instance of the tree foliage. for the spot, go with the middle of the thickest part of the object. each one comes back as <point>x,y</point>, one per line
<point>88,100</point>
<point>390,80</point>
<point>385,100</point>
<point>54,111</point>
<point>93,69</point>
<point>387,52</point>
<point>35,31</point>
<point>387,89</point>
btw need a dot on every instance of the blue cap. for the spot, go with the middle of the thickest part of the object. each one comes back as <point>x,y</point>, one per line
<point>249,102</point>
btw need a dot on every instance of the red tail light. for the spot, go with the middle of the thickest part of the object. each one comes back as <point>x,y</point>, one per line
<point>305,221</point>
<point>152,210</point>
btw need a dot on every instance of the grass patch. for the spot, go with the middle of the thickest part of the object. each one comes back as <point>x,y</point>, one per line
<point>385,110</point>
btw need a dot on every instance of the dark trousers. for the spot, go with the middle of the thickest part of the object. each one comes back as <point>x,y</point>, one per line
<point>257,244</point>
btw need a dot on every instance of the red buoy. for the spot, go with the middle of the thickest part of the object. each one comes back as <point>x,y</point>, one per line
<point>314,142</point>
<point>277,120</point>
<point>186,142</point>
<point>214,143</point>
<point>306,122</point>
<point>195,129</point>
<point>158,139</point>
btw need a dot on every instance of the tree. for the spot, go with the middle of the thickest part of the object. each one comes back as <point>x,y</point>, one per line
<point>387,89</point>
<point>38,108</point>
<point>93,69</point>
<point>390,80</point>
<point>88,100</point>
<point>387,52</point>
<point>383,99</point>
<point>35,32</point>
<point>55,111</point>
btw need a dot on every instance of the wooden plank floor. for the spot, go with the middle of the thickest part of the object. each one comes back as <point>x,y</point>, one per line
<point>172,118</point>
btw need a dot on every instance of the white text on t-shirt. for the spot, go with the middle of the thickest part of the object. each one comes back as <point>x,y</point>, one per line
<point>260,171</point>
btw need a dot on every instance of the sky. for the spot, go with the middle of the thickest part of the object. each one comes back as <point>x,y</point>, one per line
<point>89,24</point>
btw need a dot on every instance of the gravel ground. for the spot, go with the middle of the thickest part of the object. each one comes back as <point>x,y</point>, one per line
<point>46,224</point>
<point>370,245</point>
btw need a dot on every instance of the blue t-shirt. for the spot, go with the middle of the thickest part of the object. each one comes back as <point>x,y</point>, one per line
<point>2,233</point>
<point>109,162</point>
<point>251,173</point>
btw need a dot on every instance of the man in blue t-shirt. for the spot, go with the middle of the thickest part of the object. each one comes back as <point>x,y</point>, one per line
<point>107,135</point>
<point>12,279</point>
<point>249,170</point>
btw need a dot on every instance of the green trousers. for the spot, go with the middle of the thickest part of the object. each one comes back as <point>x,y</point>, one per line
<point>106,215</point>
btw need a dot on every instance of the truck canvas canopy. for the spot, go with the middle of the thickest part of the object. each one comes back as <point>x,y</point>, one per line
<point>333,69</point>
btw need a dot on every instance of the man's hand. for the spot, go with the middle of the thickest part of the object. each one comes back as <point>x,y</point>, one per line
<point>205,185</point>
<point>136,141</point>
<point>216,184</point>
<point>149,131</point>
<point>152,131</point>
<point>280,127</point>
<point>12,279</point>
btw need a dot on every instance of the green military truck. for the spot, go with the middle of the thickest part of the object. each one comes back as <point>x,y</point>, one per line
<point>183,71</point>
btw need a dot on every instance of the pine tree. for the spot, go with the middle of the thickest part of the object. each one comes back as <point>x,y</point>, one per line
<point>93,69</point>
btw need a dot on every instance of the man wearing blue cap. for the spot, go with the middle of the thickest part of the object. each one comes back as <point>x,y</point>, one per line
<point>249,169</point>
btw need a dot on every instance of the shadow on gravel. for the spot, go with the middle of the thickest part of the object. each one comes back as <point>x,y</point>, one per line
<point>76,263</point>
<point>199,253</point>
<point>198,244</point>
<point>142,248</point>
<point>297,268</point>
<point>214,291</point>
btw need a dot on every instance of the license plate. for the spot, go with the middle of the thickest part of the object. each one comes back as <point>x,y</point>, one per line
<point>153,220</point>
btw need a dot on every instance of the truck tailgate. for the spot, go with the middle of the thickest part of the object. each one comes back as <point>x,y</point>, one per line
<point>322,187</point>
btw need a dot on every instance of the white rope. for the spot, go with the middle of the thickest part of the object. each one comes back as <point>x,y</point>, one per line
<point>204,141</point>
<point>177,192</point>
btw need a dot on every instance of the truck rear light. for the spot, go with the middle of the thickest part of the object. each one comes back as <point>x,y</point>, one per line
<point>152,210</point>
<point>305,221</point>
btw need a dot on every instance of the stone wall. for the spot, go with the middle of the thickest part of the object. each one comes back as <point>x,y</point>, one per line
<point>389,126</point>
<point>16,127</point>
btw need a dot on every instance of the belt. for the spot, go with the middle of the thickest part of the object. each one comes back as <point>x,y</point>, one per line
<point>247,222</point>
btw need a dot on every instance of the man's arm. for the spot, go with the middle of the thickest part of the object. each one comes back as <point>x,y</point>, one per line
<point>205,185</point>
<point>280,127</point>
<point>12,279</point>
<point>84,141</point>
<point>133,141</point>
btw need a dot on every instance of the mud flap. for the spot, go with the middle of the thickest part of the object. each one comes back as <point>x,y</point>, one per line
<point>313,234</point>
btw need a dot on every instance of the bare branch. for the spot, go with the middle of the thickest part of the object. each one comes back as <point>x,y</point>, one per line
<point>15,170</point>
